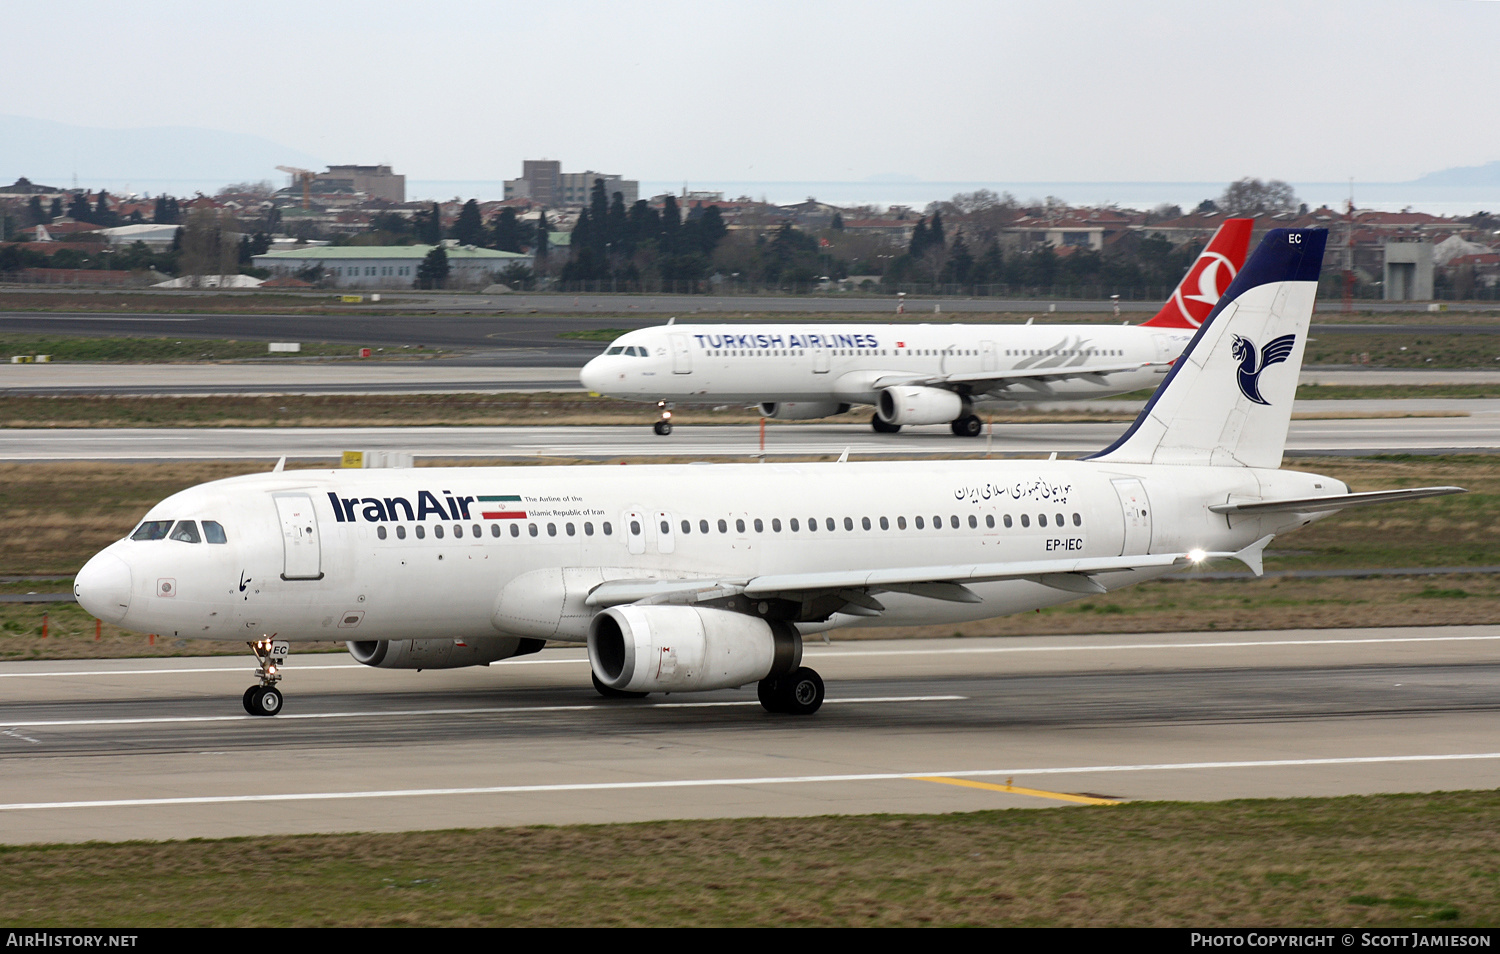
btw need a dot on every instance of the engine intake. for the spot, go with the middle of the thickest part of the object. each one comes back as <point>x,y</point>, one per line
<point>909,405</point>
<point>440,653</point>
<point>800,410</point>
<point>687,648</point>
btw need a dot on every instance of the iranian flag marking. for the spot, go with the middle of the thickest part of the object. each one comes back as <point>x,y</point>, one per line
<point>498,514</point>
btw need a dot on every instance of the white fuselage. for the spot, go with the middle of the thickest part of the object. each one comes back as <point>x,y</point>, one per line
<point>421,553</point>
<point>850,363</point>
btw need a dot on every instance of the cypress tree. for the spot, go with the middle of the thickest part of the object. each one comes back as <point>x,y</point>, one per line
<point>469,228</point>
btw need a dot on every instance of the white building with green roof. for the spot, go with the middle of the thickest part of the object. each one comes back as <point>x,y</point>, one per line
<point>389,266</point>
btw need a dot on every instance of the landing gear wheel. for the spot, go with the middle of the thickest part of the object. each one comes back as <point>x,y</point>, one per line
<point>968,426</point>
<point>249,705</point>
<point>881,427</point>
<point>263,700</point>
<point>662,428</point>
<point>609,693</point>
<point>795,693</point>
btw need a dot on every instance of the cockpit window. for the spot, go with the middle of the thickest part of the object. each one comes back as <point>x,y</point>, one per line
<point>213,532</point>
<point>152,530</point>
<point>617,349</point>
<point>186,531</point>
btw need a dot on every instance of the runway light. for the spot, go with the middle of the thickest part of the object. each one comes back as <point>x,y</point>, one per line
<point>1197,556</point>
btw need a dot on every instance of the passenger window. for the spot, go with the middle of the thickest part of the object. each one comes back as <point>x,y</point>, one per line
<point>937,523</point>
<point>494,529</point>
<point>812,524</point>
<point>152,530</point>
<point>1007,521</point>
<point>437,531</point>
<point>1025,520</point>
<point>794,525</point>
<point>1077,520</point>
<point>635,528</point>
<point>973,521</point>
<point>588,529</point>
<point>380,532</point>
<point>865,522</point>
<point>213,532</point>
<point>920,525</point>
<point>776,524</point>
<point>900,523</point>
<point>953,521</point>
<point>400,533</point>
<point>702,526</point>
<point>186,531</point>
<point>687,526</point>
<point>759,527</point>
<point>607,528</point>
<point>531,529</point>
<point>1041,520</point>
<point>848,523</point>
<point>666,528</point>
<point>739,526</point>
<point>478,531</point>
<point>1060,521</point>
<point>458,531</point>
<point>421,533</point>
<point>515,529</point>
<point>885,524</point>
<point>828,522</point>
<point>989,520</point>
<point>571,530</point>
<point>551,529</point>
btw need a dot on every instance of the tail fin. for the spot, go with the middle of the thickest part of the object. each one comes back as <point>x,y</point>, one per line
<point>1215,267</point>
<point>1226,401</point>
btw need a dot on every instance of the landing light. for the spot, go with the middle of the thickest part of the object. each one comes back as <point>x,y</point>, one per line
<point>1197,556</point>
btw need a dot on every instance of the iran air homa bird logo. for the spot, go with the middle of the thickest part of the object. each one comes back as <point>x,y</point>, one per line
<point>1253,363</point>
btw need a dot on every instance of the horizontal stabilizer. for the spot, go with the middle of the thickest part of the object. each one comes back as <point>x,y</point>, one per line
<point>1335,501</point>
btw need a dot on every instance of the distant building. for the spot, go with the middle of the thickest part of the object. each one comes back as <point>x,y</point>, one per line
<point>544,183</point>
<point>377,182</point>
<point>389,266</point>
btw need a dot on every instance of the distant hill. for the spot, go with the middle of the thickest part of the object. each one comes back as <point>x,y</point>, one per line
<point>152,157</point>
<point>1485,175</point>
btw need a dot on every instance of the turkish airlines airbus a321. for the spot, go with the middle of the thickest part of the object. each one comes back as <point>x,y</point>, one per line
<point>692,578</point>
<point>912,373</point>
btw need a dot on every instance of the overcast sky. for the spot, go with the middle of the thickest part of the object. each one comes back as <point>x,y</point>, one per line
<point>1155,90</point>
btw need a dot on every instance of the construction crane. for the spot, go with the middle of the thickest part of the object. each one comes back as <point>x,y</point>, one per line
<point>307,176</point>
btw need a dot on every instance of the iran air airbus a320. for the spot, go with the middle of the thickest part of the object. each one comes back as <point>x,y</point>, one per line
<point>913,373</point>
<point>694,578</point>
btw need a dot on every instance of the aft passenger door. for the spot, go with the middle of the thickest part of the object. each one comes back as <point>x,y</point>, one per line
<point>302,549</point>
<point>1137,513</point>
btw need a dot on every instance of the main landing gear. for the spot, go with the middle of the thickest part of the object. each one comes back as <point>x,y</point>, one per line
<point>270,655</point>
<point>799,692</point>
<point>881,427</point>
<point>968,426</point>
<point>663,426</point>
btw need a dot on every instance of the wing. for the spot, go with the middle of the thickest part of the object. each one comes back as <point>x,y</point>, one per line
<point>1277,351</point>
<point>854,591</point>
<point>1035,378</point>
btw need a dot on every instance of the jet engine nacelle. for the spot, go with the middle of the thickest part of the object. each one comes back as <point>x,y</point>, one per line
<point>687,648</point>
<point>912,405</point>
<point>800,410</point>
<point>440,653</point>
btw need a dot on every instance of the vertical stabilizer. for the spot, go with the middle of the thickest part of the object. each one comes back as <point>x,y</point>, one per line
<point>1215,267</point>
<point>1228,399</point>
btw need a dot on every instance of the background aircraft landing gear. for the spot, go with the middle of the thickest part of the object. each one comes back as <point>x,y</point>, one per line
<point>881,427</point>
<point>663,427</point>
<point>799,692</point>
<point>609,693</point>
<point>265,699</point>
<point>968,426</point>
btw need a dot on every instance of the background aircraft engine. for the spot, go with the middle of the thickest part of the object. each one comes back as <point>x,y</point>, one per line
<point>686,648</point>
<point>440,653</point>
<point>800,410</point>
<point>907,405</point>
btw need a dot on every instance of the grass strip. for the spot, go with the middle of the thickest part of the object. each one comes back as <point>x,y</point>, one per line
<point>1386,861</point>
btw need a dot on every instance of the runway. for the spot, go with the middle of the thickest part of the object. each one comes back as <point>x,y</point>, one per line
<point>160,748</point>
<point>1479,431</point>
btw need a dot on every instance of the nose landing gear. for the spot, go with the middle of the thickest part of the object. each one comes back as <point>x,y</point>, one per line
<point>663,426</point>
<point>265,699</point>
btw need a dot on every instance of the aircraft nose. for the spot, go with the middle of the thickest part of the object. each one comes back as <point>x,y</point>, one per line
<point>592,376</point>
<point>103,587</point>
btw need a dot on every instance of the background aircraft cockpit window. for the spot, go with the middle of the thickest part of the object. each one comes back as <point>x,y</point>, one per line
<point>213,532</point>
<point>186,531</point>
<point>152,530</point>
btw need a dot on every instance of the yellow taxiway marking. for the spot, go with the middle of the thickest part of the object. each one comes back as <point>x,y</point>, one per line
<point>1018,790</point>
